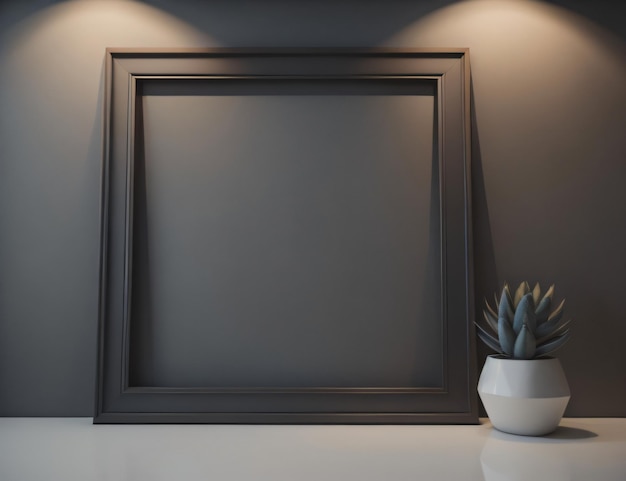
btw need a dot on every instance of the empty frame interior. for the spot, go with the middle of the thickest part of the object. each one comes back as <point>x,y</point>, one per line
<point>278,228</point>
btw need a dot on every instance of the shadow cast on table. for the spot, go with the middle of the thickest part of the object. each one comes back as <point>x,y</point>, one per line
<point>561,434</point>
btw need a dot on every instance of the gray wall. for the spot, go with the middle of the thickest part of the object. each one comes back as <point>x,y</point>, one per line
<point>549,161</point>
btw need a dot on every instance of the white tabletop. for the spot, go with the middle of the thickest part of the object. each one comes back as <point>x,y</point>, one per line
<point>71,449</point>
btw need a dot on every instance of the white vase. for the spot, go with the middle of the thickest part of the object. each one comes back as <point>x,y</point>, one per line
<point>526,397</point>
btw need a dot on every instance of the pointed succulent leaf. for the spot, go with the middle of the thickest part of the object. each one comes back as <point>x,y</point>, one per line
<point>492,320</point>
<point>536,293</point>
<point>552,345</point>
<point>542,310</point>
<point>507,290</point>
<point>524,344</point>
<point>549,293</point>
<point>505,309</point>
<point>557,331</point>
<point>484,330</point>
<point>549,327</point>
<point>521,291</point>
<point>525,314</point>
<point>558,312</point>
<point>488,342</point>
<point>491,309</point>
<point>506,336</point>
<point>488,339</point>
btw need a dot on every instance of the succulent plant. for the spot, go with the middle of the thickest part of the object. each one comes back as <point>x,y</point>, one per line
<point>522,326</point>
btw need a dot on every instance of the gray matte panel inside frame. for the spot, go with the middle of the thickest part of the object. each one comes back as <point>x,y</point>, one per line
<point>286,235</point>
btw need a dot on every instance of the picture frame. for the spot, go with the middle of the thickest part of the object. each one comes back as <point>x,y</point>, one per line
<point>128,73</point>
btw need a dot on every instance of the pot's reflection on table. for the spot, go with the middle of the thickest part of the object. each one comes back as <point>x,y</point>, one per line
<point>572,452</point>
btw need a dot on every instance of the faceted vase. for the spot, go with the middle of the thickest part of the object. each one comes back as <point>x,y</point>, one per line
<point>526,397</point>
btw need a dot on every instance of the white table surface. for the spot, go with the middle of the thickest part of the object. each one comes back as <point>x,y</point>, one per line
<point>68,449</point>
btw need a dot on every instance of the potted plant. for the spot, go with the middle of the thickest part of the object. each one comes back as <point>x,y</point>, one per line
<point>523,389</point>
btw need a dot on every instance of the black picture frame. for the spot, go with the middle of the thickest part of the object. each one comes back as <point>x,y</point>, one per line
<point>127,70</point>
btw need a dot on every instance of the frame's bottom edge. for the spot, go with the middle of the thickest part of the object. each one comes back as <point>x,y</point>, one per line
<point>287,418</point>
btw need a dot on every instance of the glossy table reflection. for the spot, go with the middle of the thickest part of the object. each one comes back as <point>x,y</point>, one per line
<point>73,449</point>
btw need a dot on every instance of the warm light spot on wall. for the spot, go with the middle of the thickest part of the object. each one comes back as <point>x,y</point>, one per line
<point>79,27</point>
<point>53,60</point>
<point>59,51</point>
<point>543,76</point>
<point>530,32</point>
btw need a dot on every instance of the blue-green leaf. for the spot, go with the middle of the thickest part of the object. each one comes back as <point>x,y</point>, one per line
<point>557,330</point>
<point>506,336</point>
<point>488,339</point>
<point>549,293</point>
<point>536,293</point>
<point>525,314</point>
<point>521,291</point>
<point>492,319</point>
<point>558,312</point>
<point>524,344</point>
<point>543,309</point>
<point>552,345</point>
<point>550,326</point>
<point>507,290</point>
<point>504,307</point>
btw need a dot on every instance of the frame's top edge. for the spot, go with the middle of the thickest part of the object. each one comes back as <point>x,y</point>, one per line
<point>287,51</point>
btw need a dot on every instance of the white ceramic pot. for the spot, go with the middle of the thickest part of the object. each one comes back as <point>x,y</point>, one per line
<point>526,397</point>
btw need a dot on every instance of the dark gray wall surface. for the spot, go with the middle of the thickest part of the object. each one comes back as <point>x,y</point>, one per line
<point>549,163</point>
